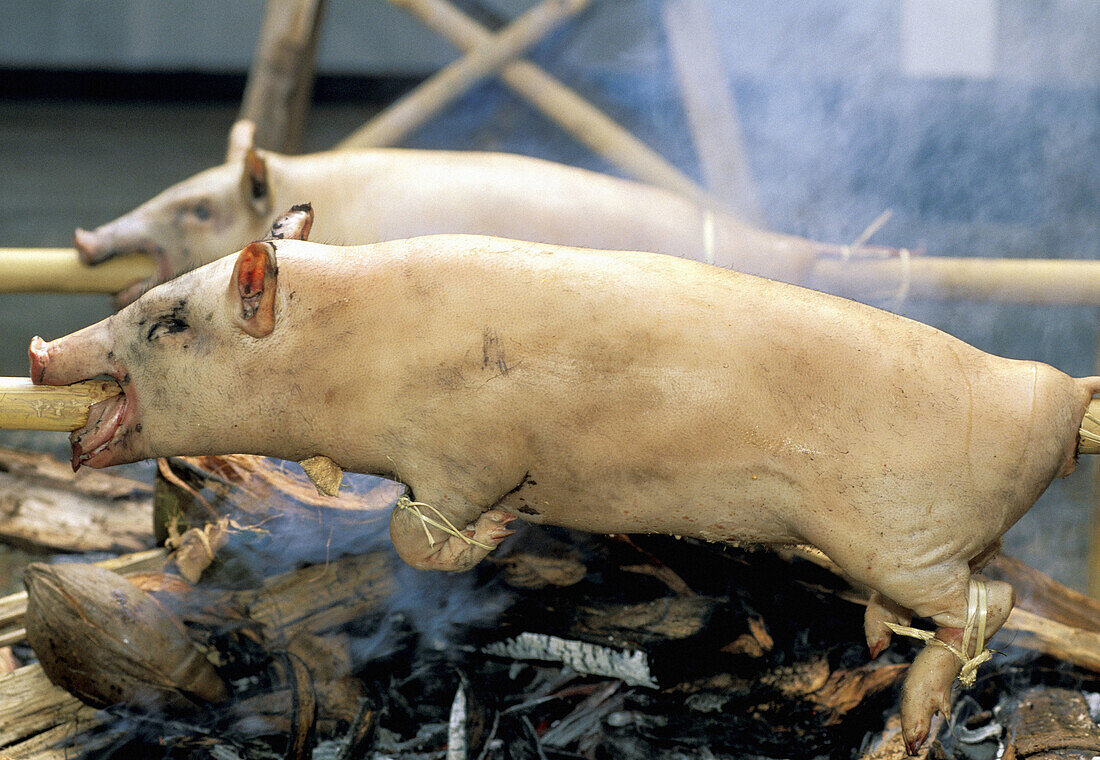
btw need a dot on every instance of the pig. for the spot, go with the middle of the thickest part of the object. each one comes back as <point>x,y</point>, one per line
<point>367,196</point>
<point>600,391</point>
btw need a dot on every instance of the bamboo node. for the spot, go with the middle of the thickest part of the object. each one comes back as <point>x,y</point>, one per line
<point>404,502</point>
<point>977,608</point>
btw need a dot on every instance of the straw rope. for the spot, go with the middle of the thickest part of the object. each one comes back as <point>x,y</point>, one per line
<point>404,502</point>
<point>977,608</point>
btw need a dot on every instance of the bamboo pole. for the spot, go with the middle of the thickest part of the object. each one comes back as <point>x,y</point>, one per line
<point>1040,282</point>
<point>26,406</point>
<point>452,81</point>
<point>708,104</point>
<point>280,80</point>
<point>1048,282</point>
<point>589,125</point>
<point>59,270</point>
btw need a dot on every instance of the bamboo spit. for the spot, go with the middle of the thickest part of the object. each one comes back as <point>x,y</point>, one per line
<point>59,270</point>
<point>25,406</point>
<point>1040,282</point>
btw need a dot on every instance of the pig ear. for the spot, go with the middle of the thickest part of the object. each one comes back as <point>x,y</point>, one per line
<point>254,182</point>
<point>242,138</point>
<point>294,224</point>
<point>252,289</point>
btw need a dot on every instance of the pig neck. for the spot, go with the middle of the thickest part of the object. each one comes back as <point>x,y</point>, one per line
<point>332,360</point>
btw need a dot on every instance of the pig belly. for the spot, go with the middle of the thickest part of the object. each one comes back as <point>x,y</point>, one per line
<point>893,498</point>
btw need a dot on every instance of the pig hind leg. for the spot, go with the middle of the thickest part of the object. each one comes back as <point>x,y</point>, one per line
<point>928,684</point>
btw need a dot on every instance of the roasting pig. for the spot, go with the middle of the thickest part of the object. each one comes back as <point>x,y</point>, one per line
<point>600,391</point>
<point>367,196</point>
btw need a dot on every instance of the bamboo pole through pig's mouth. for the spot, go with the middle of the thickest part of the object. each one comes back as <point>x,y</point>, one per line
<point>59,270</point>
<point>26,406</point>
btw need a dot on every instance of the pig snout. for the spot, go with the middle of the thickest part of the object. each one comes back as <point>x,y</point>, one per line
<point>112,240</point>
<point>83,355</point>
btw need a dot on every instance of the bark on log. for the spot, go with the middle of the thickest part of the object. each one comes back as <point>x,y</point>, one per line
<point>1048,724</point>
<point>45,505</point>
<point>280,80</point>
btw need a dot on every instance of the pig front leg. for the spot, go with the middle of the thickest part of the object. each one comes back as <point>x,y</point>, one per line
<point>435,535</point>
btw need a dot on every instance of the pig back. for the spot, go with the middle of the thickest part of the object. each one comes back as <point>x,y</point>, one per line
<point>614,391</point>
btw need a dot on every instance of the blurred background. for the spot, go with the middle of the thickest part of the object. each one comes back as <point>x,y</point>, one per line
<point>976,122</point>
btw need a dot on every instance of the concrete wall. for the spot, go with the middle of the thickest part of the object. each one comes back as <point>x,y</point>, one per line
<point>1022,40</point>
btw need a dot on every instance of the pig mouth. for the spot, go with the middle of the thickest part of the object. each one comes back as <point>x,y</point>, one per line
<point>97,444</point>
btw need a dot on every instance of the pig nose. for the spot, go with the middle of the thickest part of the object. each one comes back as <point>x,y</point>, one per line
<point>87,246</point>
<point>79,356</point>
<point>39,353</point>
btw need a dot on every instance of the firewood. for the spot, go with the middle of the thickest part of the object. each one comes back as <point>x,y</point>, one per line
<point>14,606</point>
<point>1052,723</point>
<point>44,505</point>
<point>891,744</point>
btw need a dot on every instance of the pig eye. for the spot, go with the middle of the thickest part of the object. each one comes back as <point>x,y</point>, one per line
<point>165,326</point>
<point>202,211</point>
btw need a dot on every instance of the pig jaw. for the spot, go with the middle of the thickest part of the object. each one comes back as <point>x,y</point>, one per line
<point>108,436</point>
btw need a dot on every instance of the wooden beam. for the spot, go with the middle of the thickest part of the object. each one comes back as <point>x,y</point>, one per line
<point>708,104</point>
<point>280,80</point>
<point>452,81</point>
<point>563,106</point>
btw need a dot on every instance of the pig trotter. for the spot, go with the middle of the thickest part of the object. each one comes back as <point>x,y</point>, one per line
<point>880,611</point>
<point>426,537</point>
<point>928,684</point>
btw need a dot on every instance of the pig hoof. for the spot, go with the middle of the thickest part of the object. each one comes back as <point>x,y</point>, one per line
<point>913,743</point>
<point>880,611</point>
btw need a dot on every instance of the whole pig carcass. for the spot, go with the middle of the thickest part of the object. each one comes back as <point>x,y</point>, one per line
<point>368,196</point>
<point>600,391</point>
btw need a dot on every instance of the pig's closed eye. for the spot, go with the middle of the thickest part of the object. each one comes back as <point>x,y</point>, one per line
<point>165,326</point>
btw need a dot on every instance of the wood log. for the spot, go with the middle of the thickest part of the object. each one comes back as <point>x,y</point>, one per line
<point>1046,723</point>
<point>44,505</point>
<point>314,600</point>
<point>563,106</point>
<point>59,270</point>
<point>411,111</point>
<point>280,80</point>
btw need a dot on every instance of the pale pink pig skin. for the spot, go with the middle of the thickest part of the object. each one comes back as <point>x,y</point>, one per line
<point>607,392</point>
<point>369,196</point>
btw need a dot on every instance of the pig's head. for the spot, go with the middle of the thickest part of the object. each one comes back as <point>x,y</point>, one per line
<point>188,356</point>
<point>193,222</point>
